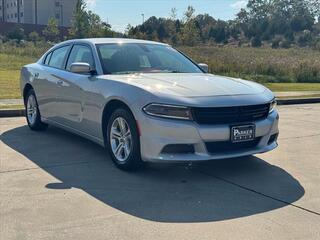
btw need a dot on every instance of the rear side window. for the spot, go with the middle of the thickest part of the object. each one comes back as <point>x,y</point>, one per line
<point>46,61</point>
<point>58,57</point>
<point>80,53</point>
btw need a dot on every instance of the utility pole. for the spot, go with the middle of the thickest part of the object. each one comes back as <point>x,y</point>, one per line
<point>142,18</point>
<point>18,10</point>
<point>61,9</point>
<point>3,11</point>
<point>36,11</point>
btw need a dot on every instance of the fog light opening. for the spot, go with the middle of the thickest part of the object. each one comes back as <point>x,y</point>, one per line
<point>273,138</point>
<point>178,149</point>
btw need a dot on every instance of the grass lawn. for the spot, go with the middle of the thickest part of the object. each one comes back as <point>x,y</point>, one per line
<point>224,61</point>
<point>14,62</point>
<point>293,87</point>
<point>9,84</point>
<point>10,65</point>
<point>10,88</point>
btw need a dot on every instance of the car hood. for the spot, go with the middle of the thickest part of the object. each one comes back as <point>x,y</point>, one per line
<point>190,84</point>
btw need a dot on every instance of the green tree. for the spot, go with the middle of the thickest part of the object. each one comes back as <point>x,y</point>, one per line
<point>314,8</point>
<point>80,25</point>
<point>259,9</point>
<point>34,37</point>
<point>98,28</point>
<point>190,34</point>
<point>173,14</point>
<point>261,20</point>
<point>219,32</point>
<point>189,14</point>
<point>128,30</point>
<point>16,33</point>
<point>51,32</point>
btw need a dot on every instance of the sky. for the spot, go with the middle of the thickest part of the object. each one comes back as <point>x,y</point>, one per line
<point>120,13</point>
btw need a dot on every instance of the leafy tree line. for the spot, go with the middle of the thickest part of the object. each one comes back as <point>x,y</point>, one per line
<point>280,23</point>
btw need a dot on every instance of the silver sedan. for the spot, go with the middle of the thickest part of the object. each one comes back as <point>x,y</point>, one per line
<point>146,101</point>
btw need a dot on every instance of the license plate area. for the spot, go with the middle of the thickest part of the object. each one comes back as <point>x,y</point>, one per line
<point>243,133</point>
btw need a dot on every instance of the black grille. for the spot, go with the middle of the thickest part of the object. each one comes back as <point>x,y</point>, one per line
<point>228,146</point>
<point>225,115</point>
<point>178,148</point>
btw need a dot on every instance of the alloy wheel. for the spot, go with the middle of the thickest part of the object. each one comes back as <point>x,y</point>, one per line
<point>121,139</point>
<point>32,109</point>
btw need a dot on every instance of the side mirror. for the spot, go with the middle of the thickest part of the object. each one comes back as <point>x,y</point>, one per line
<point>204,67</point>
<point>81,68</point>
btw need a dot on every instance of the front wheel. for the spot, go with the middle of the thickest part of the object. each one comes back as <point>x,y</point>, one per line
<point>32,112</point>
<point>123,140</point>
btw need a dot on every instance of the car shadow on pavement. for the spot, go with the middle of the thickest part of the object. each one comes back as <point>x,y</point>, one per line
<point>203,192</point>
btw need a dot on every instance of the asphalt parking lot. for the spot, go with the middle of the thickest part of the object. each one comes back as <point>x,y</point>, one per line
<point>54,185</point>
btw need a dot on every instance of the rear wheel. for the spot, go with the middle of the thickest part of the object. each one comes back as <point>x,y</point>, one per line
<point>123,140</point>
<point>32,112</point>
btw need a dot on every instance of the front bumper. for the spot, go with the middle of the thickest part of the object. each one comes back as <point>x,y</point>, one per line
<point>157,133</point>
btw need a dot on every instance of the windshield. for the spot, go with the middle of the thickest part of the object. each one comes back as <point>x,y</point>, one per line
<point>143,58</point>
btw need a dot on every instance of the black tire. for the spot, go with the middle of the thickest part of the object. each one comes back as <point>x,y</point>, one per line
<point>37,124</point>
<point>133,161</point>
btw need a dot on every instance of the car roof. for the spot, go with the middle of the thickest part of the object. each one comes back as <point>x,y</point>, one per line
<point>113,40</point>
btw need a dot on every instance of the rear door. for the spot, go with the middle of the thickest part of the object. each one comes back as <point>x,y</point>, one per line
<point>49,80</point>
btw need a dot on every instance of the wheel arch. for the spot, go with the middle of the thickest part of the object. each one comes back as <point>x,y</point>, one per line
<point>108,109</point>
<point>26,89</point>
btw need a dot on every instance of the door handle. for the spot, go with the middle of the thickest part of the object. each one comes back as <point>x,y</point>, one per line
<point>60,82</point>
<point>36,75</point>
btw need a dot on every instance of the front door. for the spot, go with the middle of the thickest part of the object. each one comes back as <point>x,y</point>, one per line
<point>73,100</point>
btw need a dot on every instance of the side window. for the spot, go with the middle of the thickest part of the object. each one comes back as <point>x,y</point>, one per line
<point>80,53</point>
<point>46,61</point>
<point>58,56</point>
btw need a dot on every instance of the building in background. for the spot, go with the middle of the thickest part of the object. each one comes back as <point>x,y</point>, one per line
<point>37,11</point>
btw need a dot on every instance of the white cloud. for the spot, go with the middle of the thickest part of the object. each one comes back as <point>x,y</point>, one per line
<point>239,4</point>
<point>91,3</point>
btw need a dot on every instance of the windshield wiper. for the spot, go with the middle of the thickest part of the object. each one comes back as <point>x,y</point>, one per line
<point>170,71</point>
<point>157,71</point>
<point>126,72</point>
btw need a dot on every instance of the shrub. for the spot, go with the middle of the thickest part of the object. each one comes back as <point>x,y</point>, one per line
<point>289,36</point>
<point>285,44</point>
<point>305,38</point>
<point>316,45</point>
<point>308,73</point>
<point>275,43</point>
<point>256,42</point>
<point>52,32</point>
<point>34,37</point>
<point>17,33</point>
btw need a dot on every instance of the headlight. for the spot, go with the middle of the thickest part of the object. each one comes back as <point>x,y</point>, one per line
<point>168,111</point>
<point>273,105</point>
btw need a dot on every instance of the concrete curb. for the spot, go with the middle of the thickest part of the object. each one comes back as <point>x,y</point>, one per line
<point>297,101</point>
<point>12,113</point>
<point>21,112</point>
